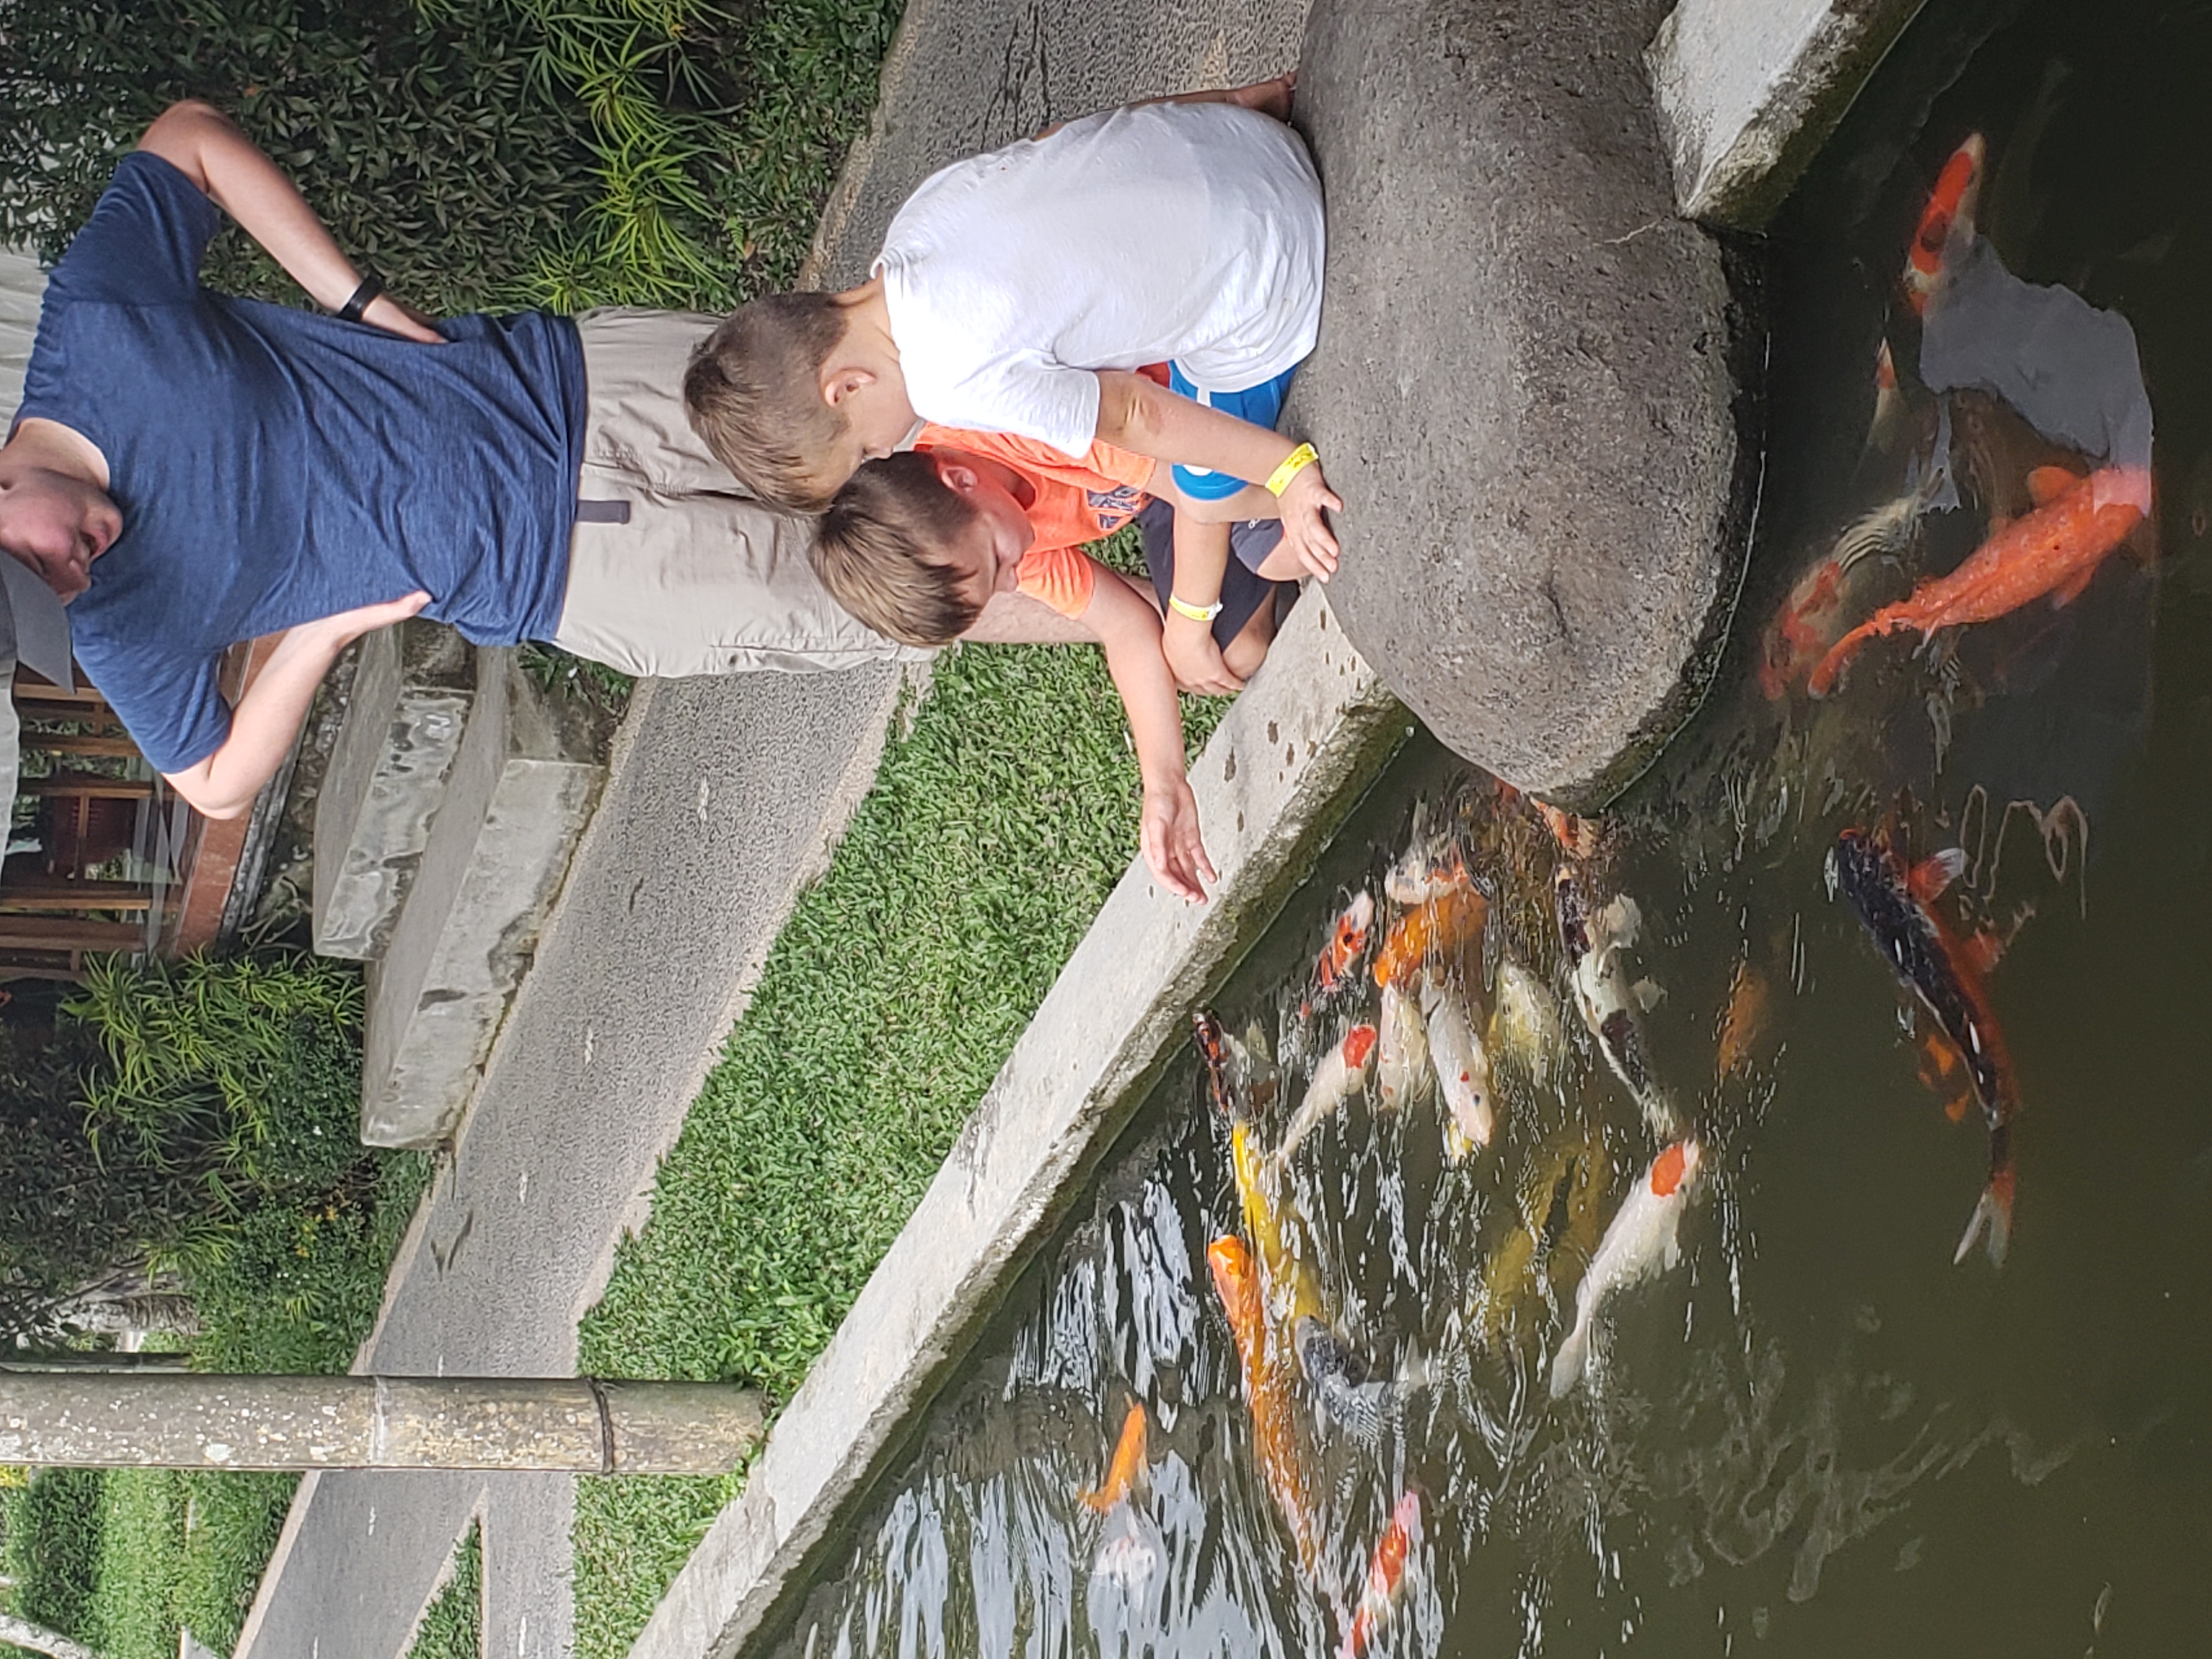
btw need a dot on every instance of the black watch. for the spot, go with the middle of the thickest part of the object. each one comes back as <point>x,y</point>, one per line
<point>363,297</point>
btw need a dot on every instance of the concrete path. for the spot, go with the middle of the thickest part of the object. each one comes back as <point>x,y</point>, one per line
<point>723,798</point>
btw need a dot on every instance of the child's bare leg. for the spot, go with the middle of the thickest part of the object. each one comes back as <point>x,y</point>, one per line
<point>1249,649</point>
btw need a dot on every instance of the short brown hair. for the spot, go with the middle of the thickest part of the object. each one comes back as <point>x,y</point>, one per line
<point>879,550</point>
<point>753,391</point>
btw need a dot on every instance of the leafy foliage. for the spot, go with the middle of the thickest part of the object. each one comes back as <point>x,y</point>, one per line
<point>476,152</point>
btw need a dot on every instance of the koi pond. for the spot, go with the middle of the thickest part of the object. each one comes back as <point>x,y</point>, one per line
<point>1777,1213</point>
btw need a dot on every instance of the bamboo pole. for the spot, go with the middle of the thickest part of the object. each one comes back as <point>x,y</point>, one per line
<point>199,1421</point>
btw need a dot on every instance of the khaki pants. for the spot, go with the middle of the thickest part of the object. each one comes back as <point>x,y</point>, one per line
<point>700,579</point>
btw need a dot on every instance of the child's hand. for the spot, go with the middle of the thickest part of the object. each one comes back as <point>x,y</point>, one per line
<point>1194,658</point>
<point>1305,533</point>
<point>1167,830</point>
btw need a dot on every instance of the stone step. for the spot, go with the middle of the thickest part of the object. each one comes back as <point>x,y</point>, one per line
<point>404,716</point>
<point>522,785</point>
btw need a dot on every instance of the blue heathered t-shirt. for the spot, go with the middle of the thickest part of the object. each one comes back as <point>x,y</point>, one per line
<point>274,466</point>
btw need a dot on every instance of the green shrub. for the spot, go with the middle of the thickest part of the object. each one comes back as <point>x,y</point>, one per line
<point>476,152</point>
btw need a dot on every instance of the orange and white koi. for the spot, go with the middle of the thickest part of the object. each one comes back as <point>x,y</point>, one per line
<point>1337,1076</point>
<point>1447,924</point>
<point>1270,1393</point>
<point>1893,904</point>
<point>1428,870</point>
<point>1347,943</point>
<point>1462,1069</point>
<point>1123,1469</point>
<point>1948,217</point>
<point>1386,1576</point>
<point>1642,1239</point>
<point>2053,550</point>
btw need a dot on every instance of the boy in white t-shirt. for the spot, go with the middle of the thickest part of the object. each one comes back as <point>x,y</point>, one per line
<point>1020,291</point>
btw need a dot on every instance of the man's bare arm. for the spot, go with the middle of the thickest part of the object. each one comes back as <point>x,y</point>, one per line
<point>269,715</point>
<point>206,146</point>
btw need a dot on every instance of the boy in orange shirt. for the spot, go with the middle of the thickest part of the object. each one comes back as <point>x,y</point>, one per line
<point>916,543</point>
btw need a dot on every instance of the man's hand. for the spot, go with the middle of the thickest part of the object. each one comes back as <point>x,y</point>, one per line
<point>337,632</point>
<point>1306,534</point>
<point>397,316</point>
<point>268,715</point>
<point>1167,830</point>
<point>1194,658</point>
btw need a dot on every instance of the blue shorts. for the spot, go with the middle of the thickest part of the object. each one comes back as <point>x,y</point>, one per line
<point>1261,404</point>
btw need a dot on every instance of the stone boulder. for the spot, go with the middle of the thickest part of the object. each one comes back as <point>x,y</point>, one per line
<point>1535,387</point>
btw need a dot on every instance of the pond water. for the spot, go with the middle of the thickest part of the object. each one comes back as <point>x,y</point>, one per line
<point>1815,1432</point>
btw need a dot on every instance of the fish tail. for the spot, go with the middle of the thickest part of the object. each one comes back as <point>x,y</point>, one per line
<point>1829,668</point>
<point>1567,1365</point>
<point>1992,1217</point>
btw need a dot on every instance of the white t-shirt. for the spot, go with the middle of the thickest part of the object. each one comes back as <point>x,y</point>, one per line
<point>1183,232</point>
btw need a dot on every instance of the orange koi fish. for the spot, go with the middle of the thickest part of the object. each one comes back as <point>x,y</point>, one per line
<point>1950,210</point>
<point>1892,903</point>
<point>1445,924</point>
<point>1124,1469</point>
<point>1745,1022</point>
<point>1386,1576</point>
<point>1270,1392</point>
<point>2053,550</point>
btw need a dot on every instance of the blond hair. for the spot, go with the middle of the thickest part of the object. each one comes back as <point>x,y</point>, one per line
<point>753,391</point>
<point>879,549</point>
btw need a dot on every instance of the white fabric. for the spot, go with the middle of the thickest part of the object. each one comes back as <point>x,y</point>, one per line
<point>1190,232</point>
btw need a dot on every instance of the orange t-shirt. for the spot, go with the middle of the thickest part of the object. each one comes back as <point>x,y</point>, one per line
<point>1075,502</point>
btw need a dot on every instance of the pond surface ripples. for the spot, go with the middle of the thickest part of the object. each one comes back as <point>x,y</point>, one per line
<point>1909,929</point>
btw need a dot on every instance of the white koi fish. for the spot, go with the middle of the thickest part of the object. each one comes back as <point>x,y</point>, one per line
<point>1462,1069</point>
<point>1402,1051</point>
<point>1642,1241</point>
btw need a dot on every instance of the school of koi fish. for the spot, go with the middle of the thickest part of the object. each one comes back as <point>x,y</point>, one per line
<point>1453,988</point>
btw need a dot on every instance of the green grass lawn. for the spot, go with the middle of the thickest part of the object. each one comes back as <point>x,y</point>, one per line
<point>997,826</point>
<point>452,1628</point>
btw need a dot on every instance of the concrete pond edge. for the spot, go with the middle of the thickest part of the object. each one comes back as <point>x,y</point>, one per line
<point>1300,746</point>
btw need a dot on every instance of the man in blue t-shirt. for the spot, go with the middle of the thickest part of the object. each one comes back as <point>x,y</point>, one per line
<point>189,470</point>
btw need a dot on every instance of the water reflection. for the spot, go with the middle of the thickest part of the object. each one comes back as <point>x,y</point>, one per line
<point>1846,960</point>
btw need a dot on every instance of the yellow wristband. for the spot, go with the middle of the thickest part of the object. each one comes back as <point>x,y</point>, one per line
<point>1293,464</point>
<point>1195,612</point>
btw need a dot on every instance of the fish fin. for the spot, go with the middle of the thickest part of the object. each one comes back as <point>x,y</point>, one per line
<point>2072,589</point>
<point>1992,1217</point>
<point>1929,879</point>
<point>2045,484</point>
<point>1458,1142</point>
<point>1567,1365</point>
<point>1983,949</point>
<point>1649,993</point>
